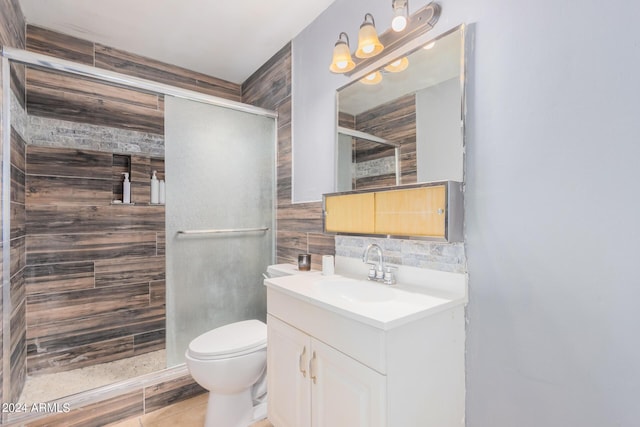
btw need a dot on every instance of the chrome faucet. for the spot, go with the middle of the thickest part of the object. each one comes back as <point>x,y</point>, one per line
<point>377,270</point>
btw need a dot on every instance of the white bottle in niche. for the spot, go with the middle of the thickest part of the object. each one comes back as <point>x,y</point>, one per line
<point>155,188</point>
<point>161,192</point>
<point>126,188</point>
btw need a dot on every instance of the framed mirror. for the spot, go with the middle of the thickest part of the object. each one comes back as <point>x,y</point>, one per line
<point>404,122</point>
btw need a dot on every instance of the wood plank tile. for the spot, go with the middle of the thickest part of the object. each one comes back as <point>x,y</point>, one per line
<point>12,24</point>
<point>321,244</point>
<point>48,308</point>
<point>64,97</point>
<point>18,150</point>
<point>19,83</point>
<point>69,333</point>
<point>18,290</point>
<point>68,219</point>
<point>66,162</point>
<point>53,43</point>
<point>17,185</point>
<point>161,242</point>
<point>63,191</point>
<point>289,244</point>
<point>78,357</point>
<point>166,393</point>
<point>157,292</point>
<point>18,220</point>
<point>97,414</point>
<point>18,255</point>
<point>135,65</point>
<point>51,249</point>
<point>50,278</point>
<point>18,351</point>
<point>129,271</point>
<point>149,341</point>
<point>271,83</point>
<point>140,179</point>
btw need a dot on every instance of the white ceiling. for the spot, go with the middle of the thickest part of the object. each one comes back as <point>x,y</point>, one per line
<point>228,39</point>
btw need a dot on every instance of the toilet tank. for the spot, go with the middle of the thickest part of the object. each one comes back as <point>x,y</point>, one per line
<point>279,270</point>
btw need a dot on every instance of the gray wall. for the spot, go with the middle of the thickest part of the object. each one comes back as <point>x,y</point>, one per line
<point>552,206</point>
<point>439,147</point>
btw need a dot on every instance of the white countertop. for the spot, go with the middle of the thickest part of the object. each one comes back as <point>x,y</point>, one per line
<point>373,303</point>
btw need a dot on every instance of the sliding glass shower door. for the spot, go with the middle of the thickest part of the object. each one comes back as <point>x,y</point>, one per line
<point>220,169</point>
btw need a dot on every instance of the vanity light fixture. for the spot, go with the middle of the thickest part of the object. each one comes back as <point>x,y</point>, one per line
<point>342,61</point>
<point>372,79</point>
<point>368,43</point>
<point>400,15</point>
<point>398,65</point>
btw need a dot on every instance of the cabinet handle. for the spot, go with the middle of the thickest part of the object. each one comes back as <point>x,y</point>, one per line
<point>312,368</point>
<point>301,362</point>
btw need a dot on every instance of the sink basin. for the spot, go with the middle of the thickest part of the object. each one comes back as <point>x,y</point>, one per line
<point>354,290</point>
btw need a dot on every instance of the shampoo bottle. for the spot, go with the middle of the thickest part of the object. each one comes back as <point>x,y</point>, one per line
<point>161,192</point>
<point>126,188</point>
<point>155,188</point>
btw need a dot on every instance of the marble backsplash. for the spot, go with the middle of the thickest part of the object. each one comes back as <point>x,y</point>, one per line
<point>416,253</point>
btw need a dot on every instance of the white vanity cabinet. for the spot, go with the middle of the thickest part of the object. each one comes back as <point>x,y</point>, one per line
<point>336,362</point>
<point>312,384</point>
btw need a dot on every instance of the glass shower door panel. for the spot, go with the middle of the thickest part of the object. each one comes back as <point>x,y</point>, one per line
<point>220,168</point>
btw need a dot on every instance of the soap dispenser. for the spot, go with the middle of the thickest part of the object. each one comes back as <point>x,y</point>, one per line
<point>126,188</point>
<point>155,188</point>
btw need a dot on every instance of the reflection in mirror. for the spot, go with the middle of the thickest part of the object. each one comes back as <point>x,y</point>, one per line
<point>349,175</point>
<point>417,108</point>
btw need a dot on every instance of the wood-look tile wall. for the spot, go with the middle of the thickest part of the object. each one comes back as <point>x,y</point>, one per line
<point>12,365</point>
<point>95,275</point>
<point>299,226</point>
<point>18,259</point>
<point>63,46</point>
<point>394,121</point>
<point>93,269</point>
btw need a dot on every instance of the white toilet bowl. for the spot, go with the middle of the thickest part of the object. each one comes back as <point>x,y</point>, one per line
<point>230,362</point>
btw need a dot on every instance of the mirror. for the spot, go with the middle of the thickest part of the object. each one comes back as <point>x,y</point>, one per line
<point>408,128</point>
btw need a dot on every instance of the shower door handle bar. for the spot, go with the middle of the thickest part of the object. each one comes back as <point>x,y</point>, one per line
<point>224,230</point>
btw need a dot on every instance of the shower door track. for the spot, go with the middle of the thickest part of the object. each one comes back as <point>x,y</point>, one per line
<point>45,61</point>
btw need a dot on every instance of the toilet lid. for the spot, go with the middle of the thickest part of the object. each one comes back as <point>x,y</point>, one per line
<point>239,337</point>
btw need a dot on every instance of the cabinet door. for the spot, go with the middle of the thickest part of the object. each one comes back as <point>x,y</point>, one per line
<point>288,355</point>
<point>412,212</point>
<point>349,213</point>
<point>344,392</point>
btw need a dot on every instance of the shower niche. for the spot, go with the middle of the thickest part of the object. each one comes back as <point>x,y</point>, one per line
<point>140,169</point>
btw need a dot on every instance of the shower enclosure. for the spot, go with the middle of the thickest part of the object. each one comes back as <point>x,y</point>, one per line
<point>217,237</point>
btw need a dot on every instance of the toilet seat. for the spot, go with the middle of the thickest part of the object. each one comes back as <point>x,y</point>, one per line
<point>235,339</point>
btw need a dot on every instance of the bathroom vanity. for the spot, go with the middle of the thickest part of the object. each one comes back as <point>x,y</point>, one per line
<point>343,351</point>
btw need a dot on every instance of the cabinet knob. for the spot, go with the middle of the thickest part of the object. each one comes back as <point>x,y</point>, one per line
<point>301,363</point>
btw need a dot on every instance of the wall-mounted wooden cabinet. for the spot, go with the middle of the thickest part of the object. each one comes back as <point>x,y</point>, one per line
<point>431,211</point>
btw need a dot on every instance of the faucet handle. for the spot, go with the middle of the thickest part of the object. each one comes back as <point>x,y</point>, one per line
<point>372,271</point>
<point>389,278</point>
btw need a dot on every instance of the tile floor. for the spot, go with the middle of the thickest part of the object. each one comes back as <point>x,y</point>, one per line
<point>188,413</point>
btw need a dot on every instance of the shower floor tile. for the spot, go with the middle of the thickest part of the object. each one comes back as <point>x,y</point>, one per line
<point>47,387</point>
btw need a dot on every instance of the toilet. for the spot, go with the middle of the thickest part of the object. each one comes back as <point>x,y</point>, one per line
<point>230,362</point>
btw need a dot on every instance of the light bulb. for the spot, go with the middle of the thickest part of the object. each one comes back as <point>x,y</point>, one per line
<point>430,45</point>
<point>399,23</point>
<point>368,48</point>
<point>341,64</point>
